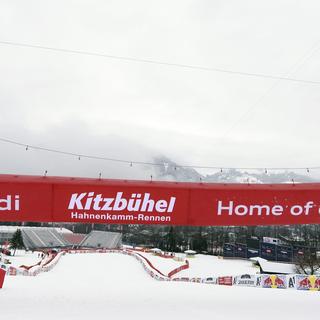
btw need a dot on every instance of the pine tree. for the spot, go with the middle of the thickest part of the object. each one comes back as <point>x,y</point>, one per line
<point>17,241</point>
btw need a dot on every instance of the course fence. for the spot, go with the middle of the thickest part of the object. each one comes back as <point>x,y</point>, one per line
<point>275,281</point>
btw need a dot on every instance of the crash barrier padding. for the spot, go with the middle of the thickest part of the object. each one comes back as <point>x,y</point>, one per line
<point>140,249</point>
<point>2,276</point>
<point>47,264</point>
<point>177,270</point>
<point>150,264</point>
<point>180,259</point>
<point>161,255</point>
<point>30,267</point>
<point>46,259</point>
<point>170,256</point>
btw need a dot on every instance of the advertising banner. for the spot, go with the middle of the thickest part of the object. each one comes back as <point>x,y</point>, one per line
<point>245,280</point>
<point>274,281</point>
<point>305,282</point>
<point>225,281</point>
<point>210,280</point>
<point>63,199</point>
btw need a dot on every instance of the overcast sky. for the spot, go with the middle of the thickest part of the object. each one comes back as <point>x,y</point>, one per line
<point>136,111</point>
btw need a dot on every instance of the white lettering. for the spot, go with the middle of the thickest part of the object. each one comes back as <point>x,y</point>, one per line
<point>146,203</point>
<point>171,204</point>
<point>296,210</point>
<point>161,206</point>
<point>5,204</point>
<point>259,210</point>
<point>241,210</point>
<point>97,200</point>
<point>308,206</point>
<point>229,208</point>
<point>76,201</point>
<point>120,203</point>
<point>277,210</point>
<point>251,210</point>
<point>90,201</point>
<point>107,204</point>
<point>10,203</point>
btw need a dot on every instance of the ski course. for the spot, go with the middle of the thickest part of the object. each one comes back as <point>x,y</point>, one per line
<point>98,286</point>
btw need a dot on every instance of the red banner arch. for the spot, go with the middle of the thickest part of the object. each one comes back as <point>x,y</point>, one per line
<point>83,200</point>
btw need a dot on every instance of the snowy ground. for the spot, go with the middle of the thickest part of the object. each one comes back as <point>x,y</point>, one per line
<point>209,266</point>
<point>23,258</point>
<point>165,265</point>
<point>203,266</point>
<point>89,286</point>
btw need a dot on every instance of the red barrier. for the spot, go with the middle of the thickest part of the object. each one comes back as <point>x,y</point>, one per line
<point>54,199</point>
<point>29,267</point>
<point>177,270</point>
<point>2,276</point>
<point>150,264</point>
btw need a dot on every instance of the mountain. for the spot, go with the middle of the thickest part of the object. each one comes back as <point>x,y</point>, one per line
<point>170,171</point>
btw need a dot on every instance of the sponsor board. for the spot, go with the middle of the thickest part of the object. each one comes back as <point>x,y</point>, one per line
<point>211,280</point>
<point>274,281</point>
<point>305,282</point>
<point>291,281</point>
<point>225,281</point>
<point>245,280</point>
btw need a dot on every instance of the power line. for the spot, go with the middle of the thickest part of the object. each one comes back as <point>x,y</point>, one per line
<point>156,62</point>
<point>299,63</point>
<point>80,156</point>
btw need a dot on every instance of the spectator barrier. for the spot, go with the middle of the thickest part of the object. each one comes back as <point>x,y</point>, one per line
<point>45,265</point>
<point>177,270</point>
<point>299,282</point>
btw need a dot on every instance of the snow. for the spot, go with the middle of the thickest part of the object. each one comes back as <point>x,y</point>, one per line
<point>276,267</point>
<point>88,286</point>
<point>211,266</point>
<point>12,229</point>
<point>203,266</point>
<point>165,265</point>
<point>23,257</point>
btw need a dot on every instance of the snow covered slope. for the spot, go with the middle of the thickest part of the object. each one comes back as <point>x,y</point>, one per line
<point>114,286</point>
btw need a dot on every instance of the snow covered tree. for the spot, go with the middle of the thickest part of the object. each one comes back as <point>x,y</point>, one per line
<point>308,263</point>
<point>17,241</point>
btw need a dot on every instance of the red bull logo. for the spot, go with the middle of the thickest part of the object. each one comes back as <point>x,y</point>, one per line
<point>311,283</point>
<point>274,281</point>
